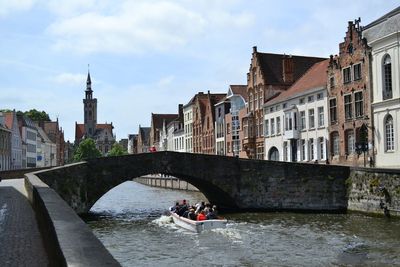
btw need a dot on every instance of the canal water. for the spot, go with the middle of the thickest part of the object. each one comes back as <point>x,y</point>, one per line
<point>131,225</point>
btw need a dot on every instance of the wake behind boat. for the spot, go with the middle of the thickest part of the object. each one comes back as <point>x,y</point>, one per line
<point>198,226</point>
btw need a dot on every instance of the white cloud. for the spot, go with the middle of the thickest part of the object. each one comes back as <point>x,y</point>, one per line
<point>9,6</point>
<point>69,79</point>
<point>141,26</point>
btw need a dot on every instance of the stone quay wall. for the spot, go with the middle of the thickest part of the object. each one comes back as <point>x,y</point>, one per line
<point>374,190</point>
<point>165,182</point>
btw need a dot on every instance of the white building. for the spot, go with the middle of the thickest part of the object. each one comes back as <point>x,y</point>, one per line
<point>188,126</point>
<point>46,150</point>
<point>28,135</point>
<point>383,37</point>
<point>295,122</point>
<point>221,109</point>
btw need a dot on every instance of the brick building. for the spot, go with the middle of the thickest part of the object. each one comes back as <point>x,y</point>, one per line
<point>268,75</point>
<point>158,121</point>
<point>204,122</point>
<point>350,99</point>
<point>56,134</point>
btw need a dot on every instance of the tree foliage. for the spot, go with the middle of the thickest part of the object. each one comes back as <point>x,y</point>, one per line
<point>86,150</point>
<point>117,150</point>
<point>36,115</point>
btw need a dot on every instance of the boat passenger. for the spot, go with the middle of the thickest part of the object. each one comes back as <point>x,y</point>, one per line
<point>200,207</point>
<point>211,215</point>
<point>191,214</point>
<point>183,208</point>
<point>175,208</point>
<point>202,216</point>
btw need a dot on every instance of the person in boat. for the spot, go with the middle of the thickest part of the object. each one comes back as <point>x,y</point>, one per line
<point>183,208</point>
<point>202,216</point>
<point>211,215</point>
<point>200,207</point>
<point>175,208</point>
<point>191,214</point>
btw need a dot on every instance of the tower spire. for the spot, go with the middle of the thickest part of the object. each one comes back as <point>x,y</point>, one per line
<point>88,81</point>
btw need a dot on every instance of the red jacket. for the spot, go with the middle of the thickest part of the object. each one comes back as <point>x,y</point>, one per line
<point>201,217</point>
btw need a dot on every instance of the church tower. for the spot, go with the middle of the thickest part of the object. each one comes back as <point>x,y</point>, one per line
<point>90,109</point>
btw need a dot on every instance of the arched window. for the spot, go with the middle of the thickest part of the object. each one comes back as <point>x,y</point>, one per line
<point>273,154</point>
<point>389,134</point>
<point>387,78</point>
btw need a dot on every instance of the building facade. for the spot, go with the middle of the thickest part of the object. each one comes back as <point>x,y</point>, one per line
<point>46,150</point>
<point>11,122</point>
<point>237,98</point>
<point>158,130</point>
<point>269,74</point>
<point>132,143</point>
<point>203,122</point>
<point>102,134</point>
<point>222,127</point>
<point>350,100</point>
<point>5,145</point>
<point>143,141</point>
<point>295,126</point>
<point>383,37</point>
<point>28,135</point>
<point>188,125</point>
<point>56,135</point>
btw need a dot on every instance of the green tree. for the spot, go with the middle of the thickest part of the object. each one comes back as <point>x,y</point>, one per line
<point>117,150</point>
<point>86,150</point>
<point>36,115</point>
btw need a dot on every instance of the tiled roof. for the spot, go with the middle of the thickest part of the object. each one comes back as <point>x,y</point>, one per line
<point>8,119</point>
<point>158,119</point>
<point>80,129</point>
<point>315,77</point>
<point>272,66</point>
<point>240,90</point>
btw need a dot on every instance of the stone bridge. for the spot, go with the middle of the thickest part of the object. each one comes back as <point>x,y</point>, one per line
<point>231,183</point>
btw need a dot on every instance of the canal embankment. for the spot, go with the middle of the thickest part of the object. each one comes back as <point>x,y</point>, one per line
<point>169,182</point>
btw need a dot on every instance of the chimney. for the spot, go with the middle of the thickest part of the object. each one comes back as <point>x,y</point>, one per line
<point>254,49</point>
<point>287,71</point>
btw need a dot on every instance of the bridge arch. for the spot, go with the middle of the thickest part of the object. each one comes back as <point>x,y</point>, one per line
<point>229,182</point>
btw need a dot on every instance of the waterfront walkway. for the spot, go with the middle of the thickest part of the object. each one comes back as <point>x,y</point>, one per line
<point>20,241</point>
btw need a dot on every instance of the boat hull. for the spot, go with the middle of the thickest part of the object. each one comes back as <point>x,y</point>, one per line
<point>198,226</point>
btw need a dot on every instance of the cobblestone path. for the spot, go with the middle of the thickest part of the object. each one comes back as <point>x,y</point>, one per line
<point>20,240</point>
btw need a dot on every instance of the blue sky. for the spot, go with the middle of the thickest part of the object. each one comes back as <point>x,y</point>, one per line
<point>150,55</point>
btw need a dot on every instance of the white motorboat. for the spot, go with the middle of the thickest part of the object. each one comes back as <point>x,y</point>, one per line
<point>198,226</point>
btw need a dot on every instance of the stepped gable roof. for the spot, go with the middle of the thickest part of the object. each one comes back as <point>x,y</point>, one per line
<point>272,68</point>
<point>158,119</point>
<point>315,77</point>
<point>240,90</point>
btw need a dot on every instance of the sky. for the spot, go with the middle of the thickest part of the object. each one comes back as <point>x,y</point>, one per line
<point>151,55</point>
